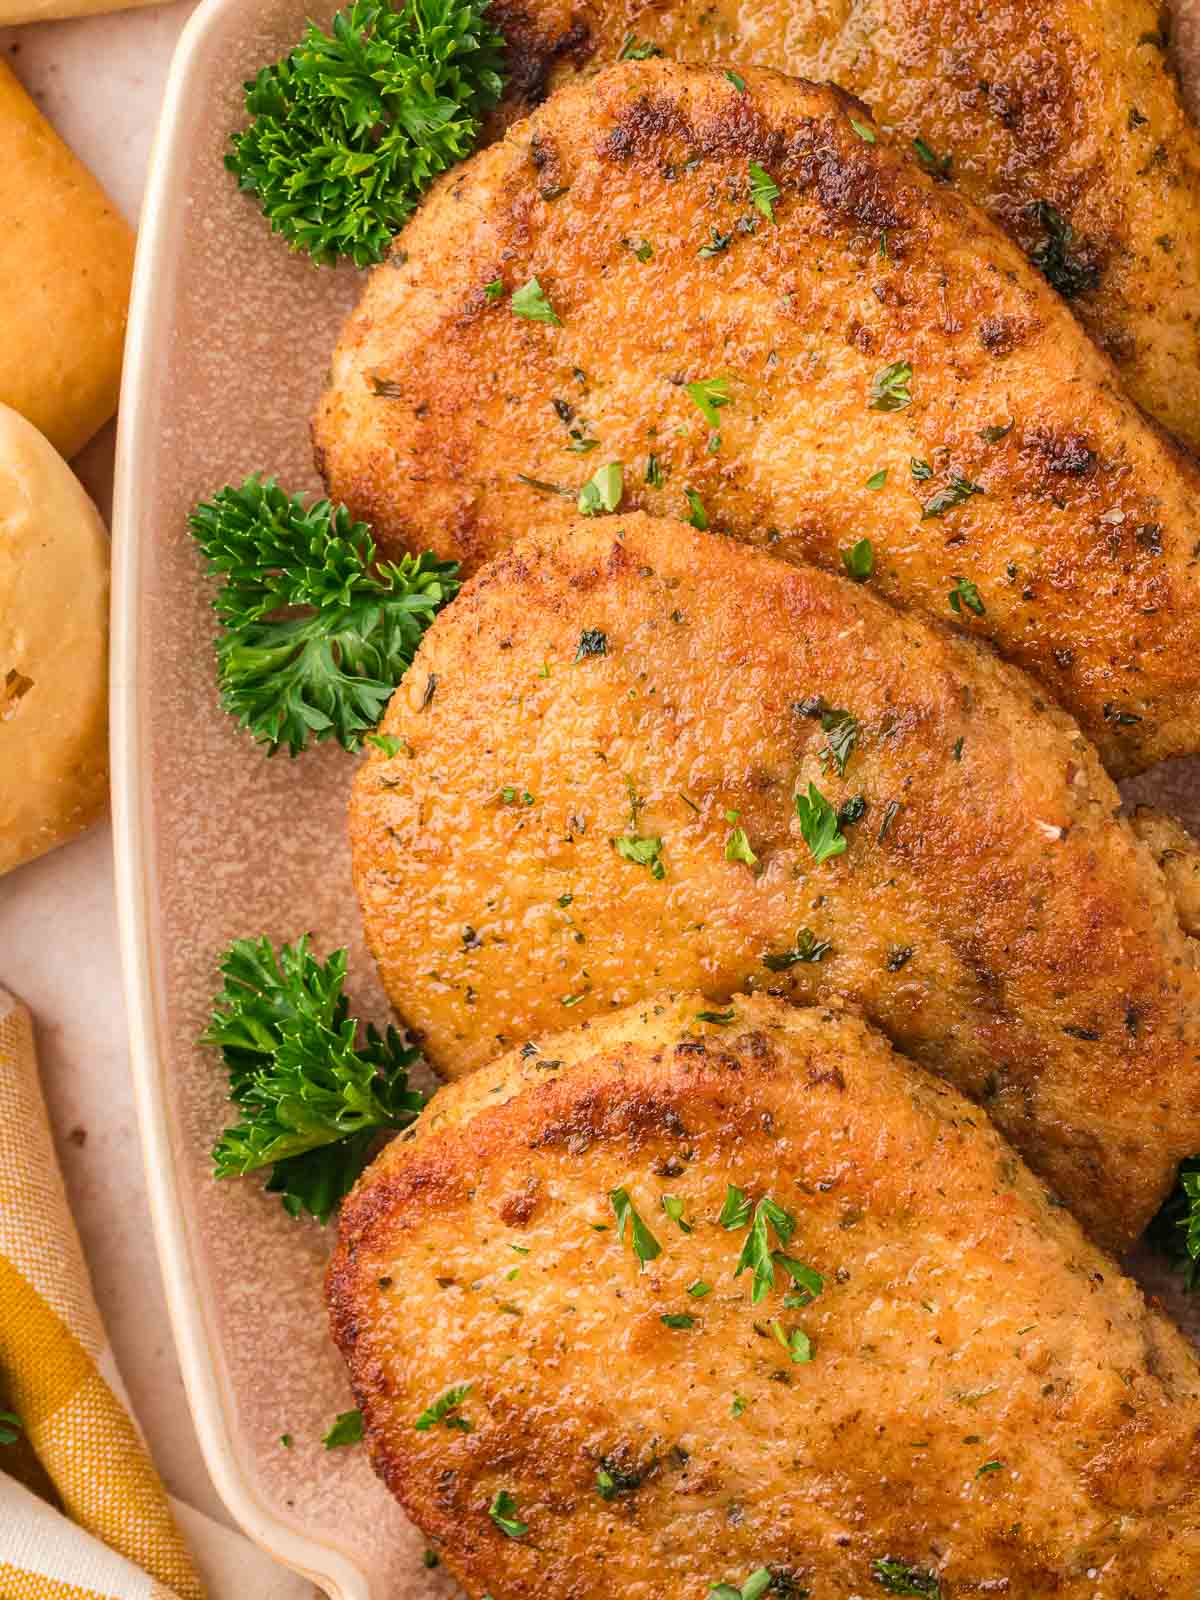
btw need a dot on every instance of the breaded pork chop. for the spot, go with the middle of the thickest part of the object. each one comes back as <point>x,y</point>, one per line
<point>1062,121</point>
<point>573,1391</point>
<point>593,794</point>
<point>859,354</point>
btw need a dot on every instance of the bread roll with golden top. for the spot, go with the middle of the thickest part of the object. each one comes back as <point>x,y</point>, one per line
<point>53,648</point>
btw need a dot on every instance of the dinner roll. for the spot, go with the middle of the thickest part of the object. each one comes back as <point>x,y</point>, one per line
<point>53,648</point>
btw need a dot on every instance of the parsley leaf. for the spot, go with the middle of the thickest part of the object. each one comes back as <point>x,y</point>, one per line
<point>718,242</point>
<point>1068,269</point>
<point>889,387</point>
<point>710,394</point>
<point>954,494</point>
<point>842,728</point>
<point>735,1212</point>
<point>877,479</point>
<point>720,1018</point>
<point>737,846</point>
<point>645,1246</point>
<point>764,191</point>
<point>755,1586</point>
<point>738,83</point>
<point>806,948</point>
<point>921,470</point>
<point>495,289</point>
<point>1176,1228</point>
<point>673,1206</point>
<point>10,1427</point>
<point>859,561</point>
<point>311,1098</point>
<point>503,1512</point>
<point>592,643</point>
<point>643,852</point>
<point>353,125</point>
<point>938,166</point>
<point>326,667</point>
<point>866,134</point>
<point>796,1343</point>
<point>898,1577</point>
<point>603,490</point>
<point>529,301</point>
<point>698,517</point>
<point>346,1429</point>
<point>964,593</point>
<point>819,825</point>
<point>758,1255</point>
<point>635,49</point>
<point>678,1319</point>
<point>443,1408</point>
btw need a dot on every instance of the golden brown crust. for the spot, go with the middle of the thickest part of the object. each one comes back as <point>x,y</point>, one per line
<point>988,1398</point>
<point>991,913</point>
<point>1034,102</point>
<point>443,404</point>
<point>1178,854</point>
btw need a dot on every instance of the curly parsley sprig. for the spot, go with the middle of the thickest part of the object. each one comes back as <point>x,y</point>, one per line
<point>329,665</point>
<point>312,1099</point>
<point>351,127</point>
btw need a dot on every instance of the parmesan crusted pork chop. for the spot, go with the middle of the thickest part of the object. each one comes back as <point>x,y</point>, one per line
<point>633,755</point>
<point>1063,121</point>
<point>784,329</point>
<point>673,1303</point>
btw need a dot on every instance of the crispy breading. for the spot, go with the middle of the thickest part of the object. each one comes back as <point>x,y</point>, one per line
<point>987,1401</point>
<point>1019,465</point>
<point>634,680</point>
<point>1178,854</point>
<point>1025,104</point>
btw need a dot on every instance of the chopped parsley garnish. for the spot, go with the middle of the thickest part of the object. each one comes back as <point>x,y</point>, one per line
<point>989,1466</point>
<point>443,1408</point>
<point>717,244</point>
<point>797,1343</point>
<point>503,1511</point>
<point>921,470</point>
<point>352,125</point>
<point>877,479</point>
<point>698,516</point>
<point>671,1203</point>
<point>738,1406</point>
<point>710,394</point>
<point>347,1429</point>
<point>603,490</point>
<point>642,249</point>
<point>737,845</point>
<point>1176,1228</point>
<point>939,166</point>
<point>613,1479</point>
<point>592,643</point>
<point>699,1289</point>
<point>819,825</point>
<point>736,1208</point>
<point>495,289</point>
<point>806,948</point>
<point>635,49</point>
<point>11,1426</point>
<point>645,1246</point>
<point>842,728</point>
<point>720,1018</point>
<point>1067,270</point>
<point>643,852</point>
<point>852,810</point>
<point>859,560</point>
<point>995,432</point>
<point>964,593</point>
<point>889,387</point>
<point>654,472</point>
<point>678,1319</point>
<point>758,1256</point>
<point>529,301</point>
<point>954,494</point>
<point>386,743</point>
<point>898,1577</point>
<point>755,1586</point>
<point>764,191</point>
<point>867,135</point>
<point>738,83</point>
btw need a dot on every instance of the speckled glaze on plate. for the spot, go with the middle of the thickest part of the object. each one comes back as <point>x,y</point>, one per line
<point>229,336</point>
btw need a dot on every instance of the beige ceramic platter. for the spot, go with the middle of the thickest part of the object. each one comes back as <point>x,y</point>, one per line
<point>229,338</point>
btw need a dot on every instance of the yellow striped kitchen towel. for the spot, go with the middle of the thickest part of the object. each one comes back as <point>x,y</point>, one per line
<point>89,1518</point>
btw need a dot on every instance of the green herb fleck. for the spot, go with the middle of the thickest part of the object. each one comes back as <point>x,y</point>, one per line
<point>643,852</point>
<point>877,479</point>
<point>921,470</point>
<point>939,166</point>
<point>698,516</point>
<point>738,1406</point>
<point>806,948</point>
<point>859,561</point>
<point>954,494</point>
<point>889,387</point>
<point>503,1513</point>
<point>898,1577</point>
<point>592,643</point>
<point>1068,269</point>
<point>737,847</point>
<point>764,191</point>
<point>699,1289</point>
<point>645,1246</point>
<point>673,1206</point>
<point>738,83</point>
<point>678,1319</point>
<point>710,394</point>
<point>443,1408</point>
<point>867,135</point>
<point>11,1427</point>
<point>736,1209</point>
<point>796,1343</point>
<point>654,472</point>
<point>347,1429</point>
<point>635,49</point>
<point>603,490</point>
<point>819,825</point>
<point>721,1018</point>
<point>529,301</point>
<point>964,593</point>
<point>386,743</point>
